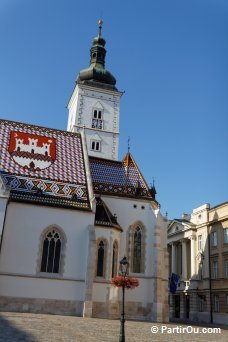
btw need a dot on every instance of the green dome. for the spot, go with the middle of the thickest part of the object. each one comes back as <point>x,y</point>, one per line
<point>96,74</point>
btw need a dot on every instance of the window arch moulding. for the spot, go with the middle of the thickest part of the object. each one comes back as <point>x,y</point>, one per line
<point>115,253</point>
<point>136,248</point>
<point>97,116</point>
<point>51,252</point>
<point>101,258</point>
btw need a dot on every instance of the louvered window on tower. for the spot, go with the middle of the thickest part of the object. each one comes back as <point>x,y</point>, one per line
<point>51,252</point>
<point>97,121</point>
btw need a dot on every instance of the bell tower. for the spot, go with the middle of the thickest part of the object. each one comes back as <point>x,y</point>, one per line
<point>95,103</point>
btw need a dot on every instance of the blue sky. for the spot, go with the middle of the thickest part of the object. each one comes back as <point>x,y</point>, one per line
<point>169,56</point>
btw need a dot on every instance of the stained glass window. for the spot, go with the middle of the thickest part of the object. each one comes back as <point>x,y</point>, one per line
<point>137,250</point>
<point>114,259</point>
<point>51,252</point>
<point>100,259</point>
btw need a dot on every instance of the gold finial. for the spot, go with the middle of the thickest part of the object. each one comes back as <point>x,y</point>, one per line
<point>100,23</point>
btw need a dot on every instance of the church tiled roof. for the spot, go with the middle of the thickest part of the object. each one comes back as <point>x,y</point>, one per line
<point>104,217</point>
<point>118,178</point>
<point>43,165</point>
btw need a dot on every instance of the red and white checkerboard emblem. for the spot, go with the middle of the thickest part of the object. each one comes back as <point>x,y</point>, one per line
<point>32,151</point>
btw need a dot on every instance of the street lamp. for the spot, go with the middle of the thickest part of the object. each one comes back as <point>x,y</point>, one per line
<point>124,264</point>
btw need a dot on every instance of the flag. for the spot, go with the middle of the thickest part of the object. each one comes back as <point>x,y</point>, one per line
<point>173,282</point>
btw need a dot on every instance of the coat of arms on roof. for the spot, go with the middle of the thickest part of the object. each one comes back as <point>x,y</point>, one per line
<point>32,151</point>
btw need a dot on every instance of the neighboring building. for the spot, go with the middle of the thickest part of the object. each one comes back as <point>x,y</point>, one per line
<point>69,211</point>
<point>203,292</point>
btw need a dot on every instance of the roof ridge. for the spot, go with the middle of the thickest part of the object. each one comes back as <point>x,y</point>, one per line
<point>39,127</point>
<point>105,159</point>
<point>136,166</point>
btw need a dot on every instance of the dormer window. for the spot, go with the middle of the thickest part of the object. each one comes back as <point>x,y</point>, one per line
<point>97,119</point>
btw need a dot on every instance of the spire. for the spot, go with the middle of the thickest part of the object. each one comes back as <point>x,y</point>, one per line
<point>100,23</point>
<point>96,74</point>
<point>97,51</point>
<point>128,145</point>
<point>153,191</point>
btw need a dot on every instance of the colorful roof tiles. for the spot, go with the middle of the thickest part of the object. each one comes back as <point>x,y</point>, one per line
<point>44,165</point>
<point>36,158</point>
<point>118,178</point>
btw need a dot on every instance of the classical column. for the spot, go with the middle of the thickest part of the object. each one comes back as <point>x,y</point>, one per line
<point>193,256</point>
<point>173,269</point>
<point>184,260</point>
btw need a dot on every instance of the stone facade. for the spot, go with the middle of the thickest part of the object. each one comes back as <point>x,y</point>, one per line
<point>198,250</point>
<point>81,106</point>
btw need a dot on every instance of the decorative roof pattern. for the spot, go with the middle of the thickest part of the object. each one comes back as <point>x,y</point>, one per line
<point>36,158</point>
<point>118,178</point>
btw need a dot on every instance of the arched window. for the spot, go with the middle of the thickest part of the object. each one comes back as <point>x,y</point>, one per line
<point>137,250</point>
<point>97,116</point>
<point>114,259</point>
<point>100,259</point>
<point>52,244</point>
<point>95,145</point>
<point>136,247</point>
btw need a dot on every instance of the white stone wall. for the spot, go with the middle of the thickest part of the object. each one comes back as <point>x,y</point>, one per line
<point>3,202</point>
<point>21,252</point>
<point>200,214</point>
<point>127,215</point>
<point>81,104</point>
<point>149,300</point>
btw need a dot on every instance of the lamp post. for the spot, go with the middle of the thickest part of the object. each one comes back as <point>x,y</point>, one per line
<point>124,264</point>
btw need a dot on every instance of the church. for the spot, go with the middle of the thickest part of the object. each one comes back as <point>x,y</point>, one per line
<point>70,210</point>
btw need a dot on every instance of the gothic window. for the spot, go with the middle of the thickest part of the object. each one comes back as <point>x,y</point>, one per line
<point>52,244</point>
<point>101,259</point>
<point>97,118</point>
<point>136,252</point>
<point>114,259</point>
<point>95,145</point>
